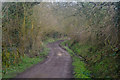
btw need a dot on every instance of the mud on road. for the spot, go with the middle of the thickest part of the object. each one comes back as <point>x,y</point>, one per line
<point>57,65</point>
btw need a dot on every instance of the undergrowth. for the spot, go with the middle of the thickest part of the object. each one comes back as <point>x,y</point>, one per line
<point>20,67</point>
<point>26,62</point>
<point>100,61</point>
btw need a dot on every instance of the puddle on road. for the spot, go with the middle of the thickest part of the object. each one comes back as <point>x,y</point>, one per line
<point>62,53</point>
<point>59,54</point>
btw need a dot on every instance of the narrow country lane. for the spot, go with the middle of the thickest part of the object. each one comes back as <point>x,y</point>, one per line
<point>58,65</point>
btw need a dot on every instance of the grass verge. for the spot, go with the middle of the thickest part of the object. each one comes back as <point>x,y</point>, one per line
<point>20,67</point>
<point>25,63</point>
<point>101,62</point>
<point>80,70</point>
